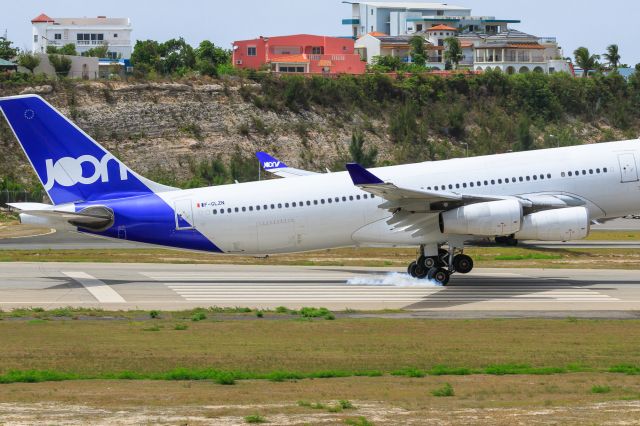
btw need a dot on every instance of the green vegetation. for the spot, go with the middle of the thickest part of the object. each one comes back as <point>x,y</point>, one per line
<point>28,60</point>
<point>453,54</point>
<point>67,49</point>
<point>600,389</point>
<point>358,421</point>
<point>7,51</point>
<point>360,155</point>
<point>255,418</point>
<point>445,390</point>
<point>61,64</point>
<point>586,61</point>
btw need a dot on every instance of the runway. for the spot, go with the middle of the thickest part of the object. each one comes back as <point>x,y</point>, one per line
<point>484,293</point>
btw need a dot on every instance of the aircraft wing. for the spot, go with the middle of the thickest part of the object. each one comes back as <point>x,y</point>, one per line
<point>279,168</point>
<point>413,208</point>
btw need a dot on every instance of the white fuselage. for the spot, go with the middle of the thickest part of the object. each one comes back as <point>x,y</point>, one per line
<point>310,212</point>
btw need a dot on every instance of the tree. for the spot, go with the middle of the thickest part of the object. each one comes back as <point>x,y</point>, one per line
<point>97,52</point>
<point>638,68</point>
<point>176,55</point>
<point>613,56</point>
<point>366,158</point>
<point>525,139</point>
<point>6,51</point>
<point>29,61</point>
<point>67,49</point>
<point>61,64</point>
<point>146,55</point>
<point>418,54</point>
<point>586,60</point>
<point>453,54</point>
<point>386,63</point>
<point>209,58</point>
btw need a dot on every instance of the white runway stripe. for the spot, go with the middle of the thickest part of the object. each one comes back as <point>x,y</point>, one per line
<point>102,292</point>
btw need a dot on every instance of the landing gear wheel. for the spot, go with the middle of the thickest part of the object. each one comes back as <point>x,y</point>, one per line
<point>411,269</point>
<point>463,264</point>
<point>421,272</point>
<point>439,275</point>
<point>430,262</point>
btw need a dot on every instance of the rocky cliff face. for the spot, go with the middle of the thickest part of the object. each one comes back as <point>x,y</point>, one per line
<point>167,127</point>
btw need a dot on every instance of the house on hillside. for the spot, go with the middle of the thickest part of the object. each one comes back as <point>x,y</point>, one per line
<point>84,33</point>
<point>302,53</point>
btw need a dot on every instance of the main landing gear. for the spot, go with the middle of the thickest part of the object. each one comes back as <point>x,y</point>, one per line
<point>440,267</point>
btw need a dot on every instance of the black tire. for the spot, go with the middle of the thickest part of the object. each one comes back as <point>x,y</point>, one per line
<point>439,275</point>
<point>411,269</point>
<point>421,272</point>
<point>463,264</point>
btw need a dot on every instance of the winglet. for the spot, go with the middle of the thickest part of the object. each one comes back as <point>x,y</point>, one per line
<point>268,162</point>
<point>361,176</point>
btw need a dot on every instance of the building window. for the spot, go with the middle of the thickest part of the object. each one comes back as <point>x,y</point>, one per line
<point>35,38</point>
<point>57,36</point>
<point>418,27</point>
<point>317,50</point>
<point>115,35</point>
<point>252,51</point>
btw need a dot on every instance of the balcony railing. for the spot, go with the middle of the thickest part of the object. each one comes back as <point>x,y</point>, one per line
<point>90,42</point>
<point>326,57</point>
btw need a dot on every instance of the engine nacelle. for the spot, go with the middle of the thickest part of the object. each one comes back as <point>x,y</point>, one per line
<point>483,219</point>
<point>556,225</point>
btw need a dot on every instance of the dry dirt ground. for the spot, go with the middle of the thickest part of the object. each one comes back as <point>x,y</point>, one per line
<point>481,400</point>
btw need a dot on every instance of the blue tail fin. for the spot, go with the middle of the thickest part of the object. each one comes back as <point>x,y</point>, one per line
<point>70,164</point>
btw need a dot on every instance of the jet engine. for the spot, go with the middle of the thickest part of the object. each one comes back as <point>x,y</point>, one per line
<point>556,225</point>
<point>483,219</point>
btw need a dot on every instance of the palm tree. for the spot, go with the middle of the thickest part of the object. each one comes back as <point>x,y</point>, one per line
<point>613,56</point>
<point>453,53</point>
<point>586,60</point>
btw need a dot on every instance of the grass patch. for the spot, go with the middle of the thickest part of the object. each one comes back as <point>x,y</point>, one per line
<point>444,391</point>
<point>198,316</point>
<point>180,327</point>
<point>600,389</point>
<point>255,418</point>
<point>358,421</point>
<point>530,256</point>
<point>625,369</point>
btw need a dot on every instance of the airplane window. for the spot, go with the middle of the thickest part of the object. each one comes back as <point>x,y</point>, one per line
<point>221,211</point>
<point>215,211</point>
<point>604,170</point>
<point>548,175</point>
<point>308,203</point>
<point>301,203</point>
<point>513,180</point>
<point>471,184</point>
<point>479,183</point>
<point>279,205</point>
<point>457,186</point>
<point>273,206</point>
<point>493,182</point>
<point>528,178</point>
<point>229,210</point>
<point>337,200</point>
<point>322,201</point>
<point>344,198</point>
<point>443,187</point>
<point>372,196</point>
<point>570,174</point>
<point>286,205</point>
<point>535,177</point>
<point>562,174</point>
<point>521,180</point>
<point>315,202</point>
<point>500,181</point>
<point>350,197</point>
<point>237,210</point>
<point>464,185</point>
<point>251,208</point>
<point>329,200</point>
<point>486,183</point>
<point>450,186</point>
<point>584,172</point>
<point>577,172</point>
<point>597,170</point>
<point>244,209</point>
<point>357,197</point>
<point>590,171</point>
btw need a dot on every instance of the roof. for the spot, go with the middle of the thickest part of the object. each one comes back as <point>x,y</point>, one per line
<point>466,44</point>
<point>441,28</point>
<point>377,34</point>
<point>289,59</point>
<point>512,36</point>
<point>41,18</point>
<point>5,63</point>
<point>411,5</point>
<point>397,40</point>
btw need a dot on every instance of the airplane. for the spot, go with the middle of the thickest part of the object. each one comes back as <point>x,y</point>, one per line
<point>550,195</point>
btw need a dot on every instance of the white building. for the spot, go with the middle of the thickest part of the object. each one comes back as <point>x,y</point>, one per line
<point>405,18</point>
<point>84,33</point>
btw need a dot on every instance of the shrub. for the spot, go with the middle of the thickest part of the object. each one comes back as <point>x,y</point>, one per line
<point>255,418</point>
<point>154,314</point>
<point>600,389</point>
<point>259,314</point>
<point>198,316</point>
<point>61,64</point>
<point>180,327</point>
<point>346,405</point>
<point>445,390</point>
<point>358,421</point>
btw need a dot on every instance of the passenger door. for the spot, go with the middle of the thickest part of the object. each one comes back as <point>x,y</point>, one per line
<point>628,168</point>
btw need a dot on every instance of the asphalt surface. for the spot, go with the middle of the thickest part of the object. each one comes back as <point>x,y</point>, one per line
<point>484,293</point>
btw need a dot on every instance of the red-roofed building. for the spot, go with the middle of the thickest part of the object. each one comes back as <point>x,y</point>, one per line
<point>41,18</point>
<point>302,53</point>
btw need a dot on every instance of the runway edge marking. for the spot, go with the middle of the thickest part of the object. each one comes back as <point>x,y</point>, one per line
<point>101,291</point>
